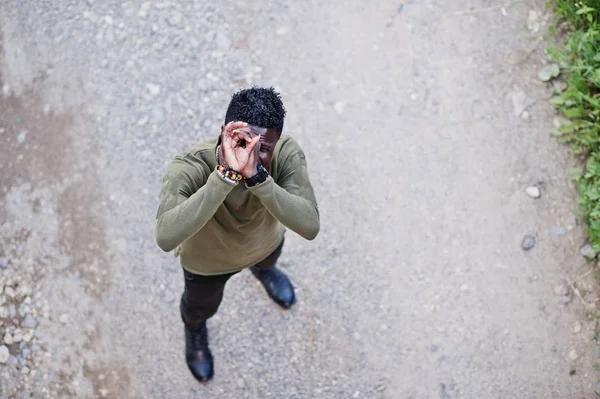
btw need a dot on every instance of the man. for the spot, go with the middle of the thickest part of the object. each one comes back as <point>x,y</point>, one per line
<point>224,206</point>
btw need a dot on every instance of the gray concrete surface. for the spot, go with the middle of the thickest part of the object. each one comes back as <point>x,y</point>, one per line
<point>423,124</point>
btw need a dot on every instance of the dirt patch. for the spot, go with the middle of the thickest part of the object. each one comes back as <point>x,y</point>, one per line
<point>107,381</point>
<point>37,148</point>
<point>52,236</point>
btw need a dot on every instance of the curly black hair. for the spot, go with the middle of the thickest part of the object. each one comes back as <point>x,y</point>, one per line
<point>257,106</point>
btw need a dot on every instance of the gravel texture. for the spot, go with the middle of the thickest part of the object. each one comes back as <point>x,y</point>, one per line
<point>421,121</point>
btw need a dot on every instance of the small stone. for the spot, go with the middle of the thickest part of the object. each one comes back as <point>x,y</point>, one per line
<point>25,370</point>
<point>464,287</point>
<point>565,300</point>
<point>6,90</point>
<point>339,107</point>
<point>572,372</point>
<point>100,39</point>
<point>109,36</point>
<point>282,30</point>
<point>63,318</point>
<point>153,89</point>
<point>549,72</point>
<point>573,354</point>
<point>169,296</point>
<point>3,262</point>
<point>12,309</point>
<point>142,121</point>
<point>10,292</point>
<point>598,388</point>
<point>18,337</point>
<point>356,394</point>
<point>562,289</point>
<point>158,115</point>
<point>222,41</point>
<point>519,101</point>
<point>8,339</point>
<point>380,388</point>
<point>525,115</point>
<point>28,322</point>
<point>528,243</point>
<point>559,85</point>
<point>559,231</point>
<point>24,290</point>
<point>588,251</point>
<point>4,354</point>
<point>541,307</point>
<point>175,19</point>
<point>533,22</point>
<point>28,336</point>
<point>557,122</point>
<point>577,327</point>
<point>533,192</point>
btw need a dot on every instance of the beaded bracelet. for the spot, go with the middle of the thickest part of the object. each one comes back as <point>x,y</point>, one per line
<point>229,173</point>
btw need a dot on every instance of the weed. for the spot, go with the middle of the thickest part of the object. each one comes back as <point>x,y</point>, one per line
<point>578,57</point>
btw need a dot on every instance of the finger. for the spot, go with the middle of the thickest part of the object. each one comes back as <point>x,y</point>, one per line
<point>242,133</point>
<point>237,136</point>
<point>246,129</point>
<point>257,131</point>
<point>235,125</point>
<point>227,140</point>
<point>253,143</point>
<point>242,139</point>
<point>229,144</point>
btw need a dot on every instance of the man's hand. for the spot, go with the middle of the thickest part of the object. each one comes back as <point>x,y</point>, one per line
<point>238,146</point>
<point>250,169</point>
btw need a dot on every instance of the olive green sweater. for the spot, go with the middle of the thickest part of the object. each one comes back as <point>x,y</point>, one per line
<point>216,227</point>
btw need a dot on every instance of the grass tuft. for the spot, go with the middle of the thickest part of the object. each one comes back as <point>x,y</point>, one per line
<point>578,56</point>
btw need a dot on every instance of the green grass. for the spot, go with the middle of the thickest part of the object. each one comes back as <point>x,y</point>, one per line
<point>578,56</point>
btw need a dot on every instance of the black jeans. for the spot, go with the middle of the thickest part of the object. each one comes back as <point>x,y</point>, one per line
<point>203,294</point>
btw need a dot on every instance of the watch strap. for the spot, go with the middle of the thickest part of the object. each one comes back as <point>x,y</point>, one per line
<point>260,176</point>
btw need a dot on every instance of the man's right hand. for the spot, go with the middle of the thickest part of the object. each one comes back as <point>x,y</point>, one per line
<point>235,156</point>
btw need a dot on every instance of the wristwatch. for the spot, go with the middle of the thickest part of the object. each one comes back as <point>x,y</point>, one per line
<point>258,178</point>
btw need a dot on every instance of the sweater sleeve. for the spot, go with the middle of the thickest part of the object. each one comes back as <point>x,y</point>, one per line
<point>291,199</point>
<point>183,209</point>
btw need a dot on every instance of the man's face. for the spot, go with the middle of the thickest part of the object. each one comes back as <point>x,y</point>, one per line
<point>268,140</point>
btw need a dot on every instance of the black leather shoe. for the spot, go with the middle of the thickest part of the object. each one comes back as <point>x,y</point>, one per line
<point>277,284</point>
<point>197,354</point>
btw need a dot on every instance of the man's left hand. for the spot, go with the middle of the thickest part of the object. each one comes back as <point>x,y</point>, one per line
<point>253,148</point>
